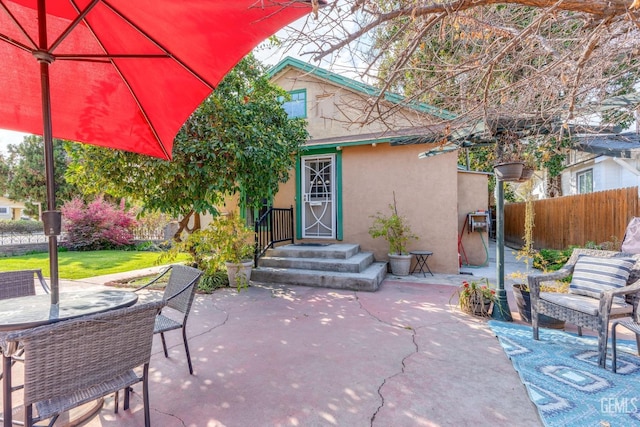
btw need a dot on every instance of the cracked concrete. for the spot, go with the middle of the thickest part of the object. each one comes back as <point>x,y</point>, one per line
<point>298,356</point>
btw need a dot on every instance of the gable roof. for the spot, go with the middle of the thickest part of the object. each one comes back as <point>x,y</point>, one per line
<point>623,145</point>
<point>357,86</point>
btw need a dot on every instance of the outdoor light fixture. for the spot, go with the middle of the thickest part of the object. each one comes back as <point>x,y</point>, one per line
<point>436,151</point>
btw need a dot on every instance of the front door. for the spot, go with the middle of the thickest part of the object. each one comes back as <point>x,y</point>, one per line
<point>318,197</point>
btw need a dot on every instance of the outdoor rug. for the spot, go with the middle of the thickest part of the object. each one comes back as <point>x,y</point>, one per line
<point>562,377</point>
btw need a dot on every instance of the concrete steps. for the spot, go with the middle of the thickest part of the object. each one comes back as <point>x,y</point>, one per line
<point>337,266</point>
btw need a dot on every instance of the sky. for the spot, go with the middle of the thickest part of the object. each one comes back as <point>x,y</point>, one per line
<point>10,137</point>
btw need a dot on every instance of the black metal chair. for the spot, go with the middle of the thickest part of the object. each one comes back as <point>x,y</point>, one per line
<point>178,295</point>
<point>67,364</point>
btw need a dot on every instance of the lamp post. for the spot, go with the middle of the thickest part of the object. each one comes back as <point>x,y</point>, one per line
<point>501,309</point>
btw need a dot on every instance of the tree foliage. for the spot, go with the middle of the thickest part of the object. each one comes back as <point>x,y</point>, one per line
<point>543,69</point>
<point>240,138</point>
<point>24,174</point>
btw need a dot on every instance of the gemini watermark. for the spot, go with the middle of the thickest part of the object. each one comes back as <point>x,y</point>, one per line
<point>619,405</point>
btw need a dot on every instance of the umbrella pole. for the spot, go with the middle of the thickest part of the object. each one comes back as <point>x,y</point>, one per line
<point>51,218</point>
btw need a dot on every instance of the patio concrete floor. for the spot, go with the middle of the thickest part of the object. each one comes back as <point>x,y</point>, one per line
<point>300,356</point>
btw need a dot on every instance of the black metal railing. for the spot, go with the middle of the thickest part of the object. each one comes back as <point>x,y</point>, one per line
<point>274,226</point>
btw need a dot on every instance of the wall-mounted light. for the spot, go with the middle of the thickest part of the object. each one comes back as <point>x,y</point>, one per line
<point>339,148</point>
<point>374,144</point>
<point>435,152</point>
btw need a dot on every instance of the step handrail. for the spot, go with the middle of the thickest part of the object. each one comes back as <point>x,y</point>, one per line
<point>274,226</point>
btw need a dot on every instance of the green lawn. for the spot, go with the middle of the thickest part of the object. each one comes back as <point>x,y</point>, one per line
<point>79,265</point>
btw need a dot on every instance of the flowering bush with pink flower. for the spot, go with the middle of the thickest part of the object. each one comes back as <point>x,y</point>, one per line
<point>97,225</point>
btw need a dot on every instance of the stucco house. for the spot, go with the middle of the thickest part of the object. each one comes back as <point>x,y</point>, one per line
<point>352,167</point>
<point>602,162</point>
<point>10,209</point>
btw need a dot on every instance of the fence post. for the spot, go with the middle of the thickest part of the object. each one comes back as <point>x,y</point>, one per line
<point>293,232</point>
<point>256,243</point>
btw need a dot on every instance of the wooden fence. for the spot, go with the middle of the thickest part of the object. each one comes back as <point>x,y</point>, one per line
<point>574,220</point>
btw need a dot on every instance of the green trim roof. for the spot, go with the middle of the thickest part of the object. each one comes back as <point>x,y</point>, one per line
<point>358,87</point>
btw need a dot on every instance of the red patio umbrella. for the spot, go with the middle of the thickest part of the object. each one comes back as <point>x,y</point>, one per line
<point>124,74</point>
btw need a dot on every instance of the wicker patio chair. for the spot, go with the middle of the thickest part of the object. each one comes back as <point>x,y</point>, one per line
<point>586,311</point>
<point>20,283</point>
<point>178,294</point>
<point>74,362</point>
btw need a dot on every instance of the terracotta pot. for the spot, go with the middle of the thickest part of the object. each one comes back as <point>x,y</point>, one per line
<point>511,171</point>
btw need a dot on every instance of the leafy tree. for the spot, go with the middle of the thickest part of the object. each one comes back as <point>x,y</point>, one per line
<point>25,174</point>
<point>240,138</point>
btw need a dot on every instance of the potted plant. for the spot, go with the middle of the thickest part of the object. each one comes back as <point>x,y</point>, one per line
<point>523,302</point>
<point>233,244</point>
<point>508,164</point>
<point>395,229</point>
<point>528,168</point>
<point>476,297</point>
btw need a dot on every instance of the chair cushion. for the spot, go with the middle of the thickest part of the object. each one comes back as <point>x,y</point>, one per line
<point>594,275</point>
<point>584,304</point>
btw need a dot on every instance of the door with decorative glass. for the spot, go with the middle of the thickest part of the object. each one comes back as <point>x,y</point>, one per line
<point>318,197</point>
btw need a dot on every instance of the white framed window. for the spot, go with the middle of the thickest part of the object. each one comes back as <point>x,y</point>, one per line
<point>4,210</point>
<point>584,181</point>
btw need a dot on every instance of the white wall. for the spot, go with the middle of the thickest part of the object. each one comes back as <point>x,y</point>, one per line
<point>607,175</point>
<point>5,212</point>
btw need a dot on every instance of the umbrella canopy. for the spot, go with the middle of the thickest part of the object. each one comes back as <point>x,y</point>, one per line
<point>124,74</point>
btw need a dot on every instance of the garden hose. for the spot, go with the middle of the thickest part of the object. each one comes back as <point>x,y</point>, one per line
<point>486,260</point>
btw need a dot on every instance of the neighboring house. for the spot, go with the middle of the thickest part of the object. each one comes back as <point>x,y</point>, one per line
<point>10,209</point>
<point>602,162</point>
<point>350,169</point>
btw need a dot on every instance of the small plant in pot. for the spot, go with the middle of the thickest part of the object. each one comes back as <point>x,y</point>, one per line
<point>508,157</point>
<point>397,232</point>
<point>233,244</point>
<point>476,297</point>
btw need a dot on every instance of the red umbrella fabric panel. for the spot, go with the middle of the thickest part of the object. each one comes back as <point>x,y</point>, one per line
<point>132,71</point>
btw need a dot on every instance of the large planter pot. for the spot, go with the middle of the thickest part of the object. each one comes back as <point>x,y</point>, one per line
<point>527,173</point>
<point>400,264</point>
<point>239,274</point>
<point>510,171</point>
<point>523,301</point>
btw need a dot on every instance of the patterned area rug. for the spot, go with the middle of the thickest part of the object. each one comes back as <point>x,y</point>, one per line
<point>563,379</point>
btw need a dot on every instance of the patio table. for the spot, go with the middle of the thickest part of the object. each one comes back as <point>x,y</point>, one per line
<point>31,311</point>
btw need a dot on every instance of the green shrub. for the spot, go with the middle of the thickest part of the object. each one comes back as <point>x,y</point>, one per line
<point>551,259</point>
<point>147,246</point>
<point>20,226</point>
<point>209,282</point>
